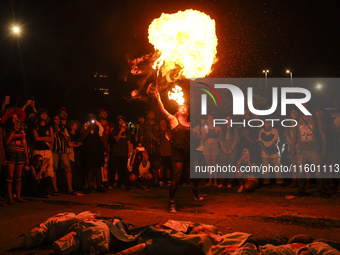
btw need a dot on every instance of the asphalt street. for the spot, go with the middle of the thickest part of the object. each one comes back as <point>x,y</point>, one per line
<point>265,212</point>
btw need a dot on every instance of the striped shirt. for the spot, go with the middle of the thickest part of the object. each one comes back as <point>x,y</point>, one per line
<point>151,137</point>
<point>60,142</point>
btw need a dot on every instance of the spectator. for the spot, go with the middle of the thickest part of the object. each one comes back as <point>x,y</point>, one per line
<point>198,133</point>
<point>108,126</point>
<point>2,148</point>
<point>332,146</point>
<point>165,148</point>
<point>37,182</point>
<point>94,145</point>
<point>16,151</point>
<point>62,113</point>
<point>120,143</point>
<point>141,121</point>
<point>269,139</point>
<point>249,139</point>
<point>75,155</point>
<point>4,104</point>
<point>31,103</point>
<point>60,154</point>
<point>311,147</point>
<point>29,124</point>
<point>150,137</point>
<point>291,135</point>
<point>43,137</point>
<point>210,147</point>
<point>228,140</point>
<point>247,182</point>
<point>140,169</point>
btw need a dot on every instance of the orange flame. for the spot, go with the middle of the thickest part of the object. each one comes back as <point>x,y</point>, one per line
<point>177,95</point>
<point>185,40</point>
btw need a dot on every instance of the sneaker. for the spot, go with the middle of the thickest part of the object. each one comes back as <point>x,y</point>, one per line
<point>215,184</point>
<point>241,188</point>
<point>220,186</point>
<point>197,196</point>
<point>161,184</point>
<point>209,184</point>
<point>184,184</point>
<point>132,188</point>
<point>169,183</point>
<point>172,208</point>
<point>229,186</point>
<point>110,187</point>
<point>146,187</point>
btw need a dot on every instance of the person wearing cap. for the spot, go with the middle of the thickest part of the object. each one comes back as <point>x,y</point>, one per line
<point>60,154</point>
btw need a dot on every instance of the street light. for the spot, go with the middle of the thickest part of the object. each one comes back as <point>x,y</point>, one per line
<point>291,77</point>
<point>266,76</point>
<point>318,86</point>
<point>16,30</point>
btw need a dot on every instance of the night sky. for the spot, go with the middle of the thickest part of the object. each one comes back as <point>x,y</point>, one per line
<point>65,42</point>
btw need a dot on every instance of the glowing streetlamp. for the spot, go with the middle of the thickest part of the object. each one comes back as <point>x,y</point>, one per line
<point>266,76</point>
<point>318,86</point>
<point>16,30</point>
<point>291,77</point>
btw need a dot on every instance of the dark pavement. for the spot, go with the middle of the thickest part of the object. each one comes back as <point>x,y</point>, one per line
<point>264,212</point>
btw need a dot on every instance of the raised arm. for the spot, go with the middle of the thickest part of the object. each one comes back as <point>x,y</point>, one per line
<point>172,119</point>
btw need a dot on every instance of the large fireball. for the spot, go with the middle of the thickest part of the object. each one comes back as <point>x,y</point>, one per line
<point>185,40</point>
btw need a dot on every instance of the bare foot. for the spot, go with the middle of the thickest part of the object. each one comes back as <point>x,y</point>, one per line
<point>20,200</point>
<point>11,202</point>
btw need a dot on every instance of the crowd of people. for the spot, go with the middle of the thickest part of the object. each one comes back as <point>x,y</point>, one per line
<point>45,154</point>
<point>314,141</point>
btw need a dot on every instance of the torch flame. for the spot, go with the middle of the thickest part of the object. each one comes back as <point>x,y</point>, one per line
<point>185,40</point>
<point>177,95</point>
